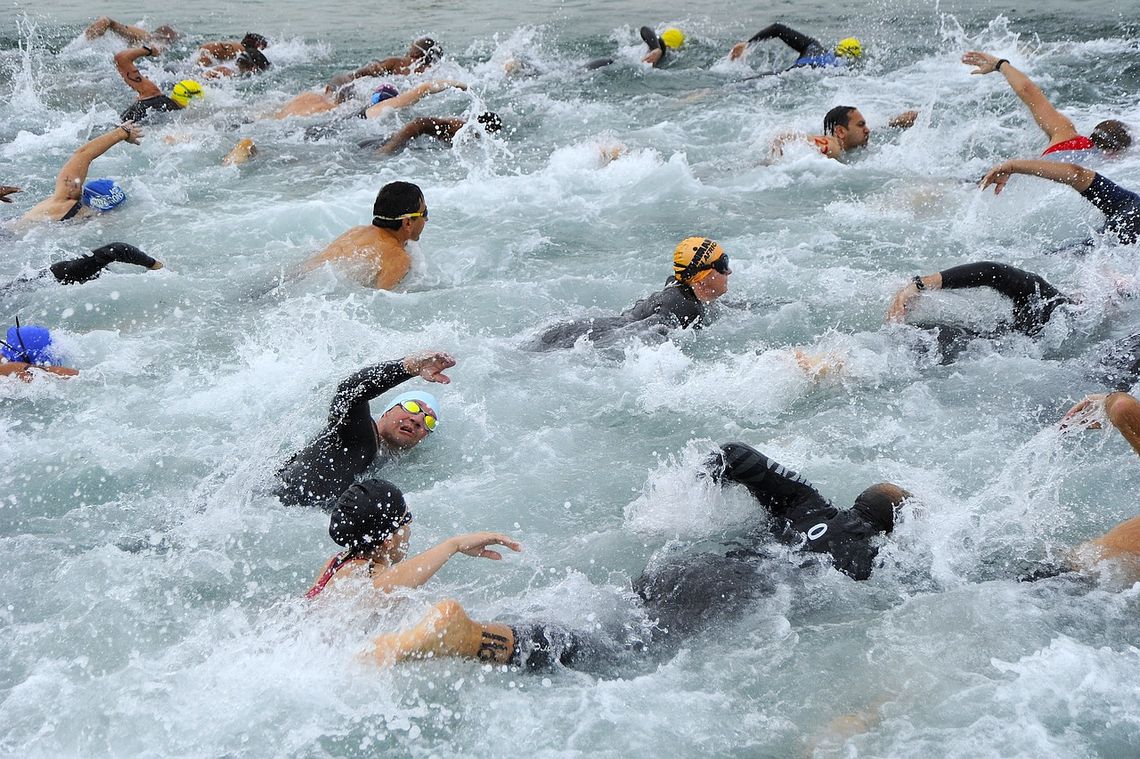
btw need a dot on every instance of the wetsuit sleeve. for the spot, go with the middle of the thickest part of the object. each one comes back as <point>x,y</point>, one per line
<point>365,385</point>
<point>87,268</point>
<point>672,306</point>
<point>790,37</point>
<point>1120,207</point>
<point>785,493</point>
<point>1033,298</point>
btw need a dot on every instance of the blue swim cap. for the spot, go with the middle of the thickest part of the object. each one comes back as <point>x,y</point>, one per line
<point>31,344</point>
<point>103,194</point>
<point>423,396</point>
<point>383,92</point>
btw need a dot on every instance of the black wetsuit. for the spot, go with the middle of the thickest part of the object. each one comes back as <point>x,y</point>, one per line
<point>651,39</point>
<point>322,470</point>
<point>674,306</point>
<point>1121,208</point>
<point>140,110</point>
<point>805,46</point>
<point>86,268</point>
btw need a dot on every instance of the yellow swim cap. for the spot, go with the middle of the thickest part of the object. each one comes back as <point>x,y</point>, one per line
<point>692,257</point>
<point>185,90</point>
<point>673,37</point>
<point>849,48</point>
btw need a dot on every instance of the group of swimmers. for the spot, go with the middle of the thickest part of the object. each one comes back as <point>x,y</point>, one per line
<point>370,519</point>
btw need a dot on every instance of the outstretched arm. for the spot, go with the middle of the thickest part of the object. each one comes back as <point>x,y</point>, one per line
<point>375,380</point>
<point>775,486</point>
<point>1077,177</point>
<point>790,37</point>
<point>125,63</point>
<point>413,96</point>
<point>905,296</point>
<point>375,68</point>
<point>414,572</point>
<point>104,24</point>
<point>441,129</point>
<point>1056,126</point>
<point>69,181</point>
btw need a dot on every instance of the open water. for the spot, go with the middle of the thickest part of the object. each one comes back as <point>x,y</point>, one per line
<point>150,590</point>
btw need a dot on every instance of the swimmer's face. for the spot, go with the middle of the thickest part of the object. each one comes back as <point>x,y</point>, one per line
<point>856,133</point>
<point>417,224</point>
<point>401,429</point>
<point>711,286</point>
<point>396,546</point>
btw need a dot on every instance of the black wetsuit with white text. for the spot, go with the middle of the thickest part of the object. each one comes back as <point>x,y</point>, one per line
<point>326,467</point>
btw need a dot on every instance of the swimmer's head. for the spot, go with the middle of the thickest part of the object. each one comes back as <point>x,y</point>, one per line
<point>408,419</point>
<point>103,195</point>
<point>846,123</point>
<point>849,48</point>
<point>166,33</point>
<point>252,61</point>
<point>397,204</point>
<point>1111,136</point>
<point>185,91</point>
<point>29,344</point>
<point>254,41</point>
<point>368,514</point>
<point>426,50</point>
<point>490,121</point>
<point>673,37</point>
<point>696,258</point>
<point>879,504</point>
<point>382,93</point>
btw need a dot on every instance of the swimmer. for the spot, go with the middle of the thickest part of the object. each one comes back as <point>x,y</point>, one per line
<point>1121,208</point>
<point>134,34</point>
<point>351,439</point>
<point>245,53</point>
<point>387,98</point>
<point>383,99</point>
<point>5,191</point>
<point>371,521</point>
<point>700,277</point>
<point>671,38</point>
<point>811,53</point>
<point>1110,136</point>
<point>85,268</point>
<point>240,153</point>
<point>27,348</point>
<point>844,129</point>
<point>315,101</point>
<point>440,129</point>
<point>805,518</point>
<point>422,55</point>
<point>74,199</point>
<point>150,97</point>
<point>376,254</point>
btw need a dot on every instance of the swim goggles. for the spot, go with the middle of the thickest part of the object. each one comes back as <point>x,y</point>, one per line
<point>412,407</point>
<point>413,215</point>
<point>720,265</point>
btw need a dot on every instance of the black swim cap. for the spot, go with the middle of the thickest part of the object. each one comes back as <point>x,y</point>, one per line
<point>490,121</point>
<point>367,514</point>
<point>879,504</point>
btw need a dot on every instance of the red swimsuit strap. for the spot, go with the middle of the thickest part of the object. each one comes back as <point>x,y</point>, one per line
<point>335,563</point>
<point>1076,143</point>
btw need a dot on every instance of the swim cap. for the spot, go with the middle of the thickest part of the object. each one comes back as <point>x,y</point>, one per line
<point>490,121</point>
<point>849,48</point>
<point>185,90</point>
<point>690,255</point>
<point>673,37</point>
<point>423,396</point>
<point>28,343</point>
<point>383,92</point>
<point>367,514</point>
<point>103,194</point>
<point>879,504</point>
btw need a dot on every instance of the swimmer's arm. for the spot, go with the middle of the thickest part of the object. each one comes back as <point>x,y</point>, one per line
<point>1077,177</point>
<point>905,296</point>
<point>69,181</point>
<point>1123,411</point>
<point>654,57</point>
<point>414,572</point>
<point>366,384</point>
<point>375,68</point>
<point>904,120</point>
<point>24,371</point>
<point>211,52</point>
<point>441,129</point>
<point>125,63</point>
<point>5,191</point>
<point>413,96</point>
<point>1056,126</point>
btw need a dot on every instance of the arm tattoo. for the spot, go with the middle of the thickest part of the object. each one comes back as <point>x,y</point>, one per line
<point>490,646</point>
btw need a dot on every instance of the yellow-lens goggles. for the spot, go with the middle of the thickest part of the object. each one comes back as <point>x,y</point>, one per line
<point>414,408</point>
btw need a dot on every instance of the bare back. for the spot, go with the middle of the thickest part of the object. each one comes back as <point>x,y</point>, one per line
<point>372,256</point>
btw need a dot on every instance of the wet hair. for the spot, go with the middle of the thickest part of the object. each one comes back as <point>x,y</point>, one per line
<point>429,50</point>
<point>166,32</point>
<point>255,41</point>
<point>252,61</point>
<point>367,514</point>
<point>879,504</point>
<point>839,116</point>
<point>395,199</point>
<point>1111,136</point>
<point>490,121</point>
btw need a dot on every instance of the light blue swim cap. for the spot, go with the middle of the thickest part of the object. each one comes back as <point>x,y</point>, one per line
<point>383,92</point>
<point>423,396</point>
<point>103,194</point>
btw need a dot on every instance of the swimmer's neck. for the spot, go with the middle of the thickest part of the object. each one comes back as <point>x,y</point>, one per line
<point>398,237</point>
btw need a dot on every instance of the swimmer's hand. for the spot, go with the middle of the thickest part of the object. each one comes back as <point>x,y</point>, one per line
<point>134,133</point>
<point>904,120</point>
<point>5,191</point>
<point>157,266</point>
<point>985,63</point>
<point>1086,415</point>
<point>430,365</point>
<point>901,302</point>
<point>997,176</point>
<point>476,544</point>
<point>738,50</point>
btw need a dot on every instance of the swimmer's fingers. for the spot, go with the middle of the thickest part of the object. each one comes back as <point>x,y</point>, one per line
<point>997,177</point>
<point>5,191</point>
<point>134,132</point>
<point>1086,414</point>
<point>430,365</point>
<point>898,307</point>
<point>983,61</point>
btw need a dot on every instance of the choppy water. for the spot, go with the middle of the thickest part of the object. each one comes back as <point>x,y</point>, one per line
<point>150,591</point>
